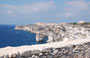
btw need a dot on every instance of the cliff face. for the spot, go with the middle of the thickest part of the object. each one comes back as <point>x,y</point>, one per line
<point>64,41</point>
<point>57,32</point>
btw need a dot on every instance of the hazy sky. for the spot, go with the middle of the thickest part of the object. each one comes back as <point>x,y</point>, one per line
<point>54,11</point>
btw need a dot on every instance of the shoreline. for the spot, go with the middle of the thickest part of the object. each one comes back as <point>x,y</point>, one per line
<point>15,50</point>
<point>64,40</point>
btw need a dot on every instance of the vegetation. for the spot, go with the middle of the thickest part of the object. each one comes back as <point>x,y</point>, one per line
<point>74,23</point>
<point>86,23</point>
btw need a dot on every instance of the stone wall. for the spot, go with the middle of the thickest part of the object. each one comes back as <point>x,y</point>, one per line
<point>71,51</point>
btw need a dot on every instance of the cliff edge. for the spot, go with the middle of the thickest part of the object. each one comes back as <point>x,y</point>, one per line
<point>58,32</point>
<point>65,40</point>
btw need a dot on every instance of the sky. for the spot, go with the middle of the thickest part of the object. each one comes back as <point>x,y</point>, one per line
<point>20,12</point>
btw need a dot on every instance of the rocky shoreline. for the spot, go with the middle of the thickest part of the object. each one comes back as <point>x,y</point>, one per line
<point>69,49</point>
<point>58,32</point>
<point>74,51</point>
<point>65,40</point>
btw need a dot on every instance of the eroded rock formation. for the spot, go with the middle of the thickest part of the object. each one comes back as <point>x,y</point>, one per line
<point>69,41</point>
<point>57,32</point>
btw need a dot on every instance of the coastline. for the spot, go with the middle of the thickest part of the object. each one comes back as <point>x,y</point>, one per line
<point>15,50</point>
<point>65,40</point>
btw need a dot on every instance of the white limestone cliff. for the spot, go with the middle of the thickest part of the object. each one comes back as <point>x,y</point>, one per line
<point>65,40</point>
<point>57,32</point>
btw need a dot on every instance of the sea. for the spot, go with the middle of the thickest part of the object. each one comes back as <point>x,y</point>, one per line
<point>11,37</point>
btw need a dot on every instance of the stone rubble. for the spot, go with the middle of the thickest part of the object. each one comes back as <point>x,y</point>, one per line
<point>73,51</point>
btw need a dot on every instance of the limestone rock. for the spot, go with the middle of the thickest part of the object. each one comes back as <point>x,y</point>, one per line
<point>57,32</point>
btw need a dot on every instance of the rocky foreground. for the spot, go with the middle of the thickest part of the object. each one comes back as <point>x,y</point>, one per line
<point>79,48</point>
<point>65,40</point>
